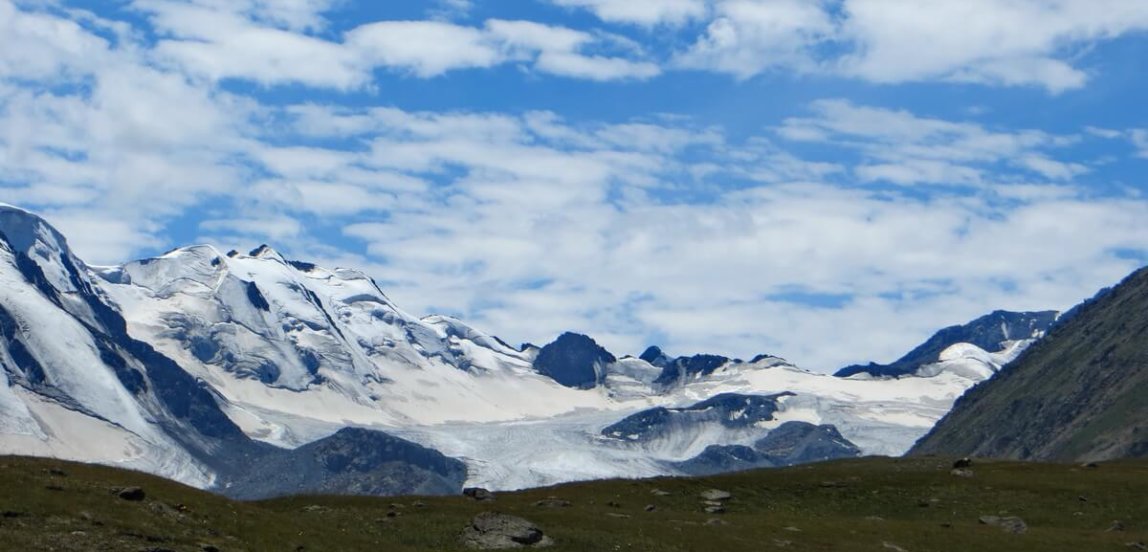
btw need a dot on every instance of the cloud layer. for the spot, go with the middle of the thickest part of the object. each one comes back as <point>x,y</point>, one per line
<point>842,231</point>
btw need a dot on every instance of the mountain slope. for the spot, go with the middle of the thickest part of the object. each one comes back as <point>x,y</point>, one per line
<point>1081,393</point>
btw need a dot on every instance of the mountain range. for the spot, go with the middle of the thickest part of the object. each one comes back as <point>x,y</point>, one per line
<point>254,375</point>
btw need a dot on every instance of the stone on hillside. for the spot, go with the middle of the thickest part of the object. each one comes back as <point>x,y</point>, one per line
<point>716,495</point>
<point>552,502</point>
<point>962,472</point>
<point>131,494</point>
<point>1012,525</point>
<point>478,493</point>
<point>492,531</point>
<point>963,463</point>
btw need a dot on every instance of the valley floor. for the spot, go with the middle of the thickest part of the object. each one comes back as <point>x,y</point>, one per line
<point>872,504</point>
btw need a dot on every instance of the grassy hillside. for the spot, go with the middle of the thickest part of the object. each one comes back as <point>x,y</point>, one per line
<point>867,504</point>
<point>1081,393</point>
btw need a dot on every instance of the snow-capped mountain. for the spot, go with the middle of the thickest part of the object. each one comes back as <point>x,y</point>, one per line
<point>981,346</point>
<point>223,370</point>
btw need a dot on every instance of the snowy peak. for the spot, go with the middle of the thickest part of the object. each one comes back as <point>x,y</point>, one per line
<point>26,232</point>
<point>265,252</point>
<point>38,254</point>
<point>196,269</point>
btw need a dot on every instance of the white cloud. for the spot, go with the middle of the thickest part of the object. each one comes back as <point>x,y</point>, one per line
<point>109,142</point>
<point>647,12</point>
<point>277,229</point>
<point>427,48</point>
<point>295,15</point>
<point>1139,139</point>
<point>530,224</point>
<point>558,51</point>
<point>39,46</point>
<point>545,226</point>
<point>903,148</point>
<point>748,37</point>
<point>997,42</point>
<point>219,41</point>
<point>599,68</point>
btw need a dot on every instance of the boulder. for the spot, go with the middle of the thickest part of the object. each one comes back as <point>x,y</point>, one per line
<point>1012,525</point>
<point>552,502</point>
<point>478,493</point>
<point>493,531</point>
<point>131,494</point>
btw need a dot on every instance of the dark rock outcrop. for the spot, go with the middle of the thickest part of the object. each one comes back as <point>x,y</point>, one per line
<point>801,442</point>
<point>681,369</point>
<point>731,410</point>
<point>791,443</point>
<point>574,360</point>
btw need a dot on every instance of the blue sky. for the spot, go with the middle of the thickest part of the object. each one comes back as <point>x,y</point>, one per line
<point>829,181</point>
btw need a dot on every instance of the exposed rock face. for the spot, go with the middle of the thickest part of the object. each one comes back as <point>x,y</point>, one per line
<point>574,360</point>
<point>791,443</point>
<point>681,369</point>
<point>801,442</point>
<point>725,458</point>
<point>352,461</point>
<point>730,410</point>
<point>1076,395</point>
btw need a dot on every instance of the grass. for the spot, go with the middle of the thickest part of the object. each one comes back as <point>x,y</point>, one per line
<point>871,504</point>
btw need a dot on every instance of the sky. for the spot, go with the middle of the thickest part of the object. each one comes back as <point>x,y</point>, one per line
<point>829,181</point>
